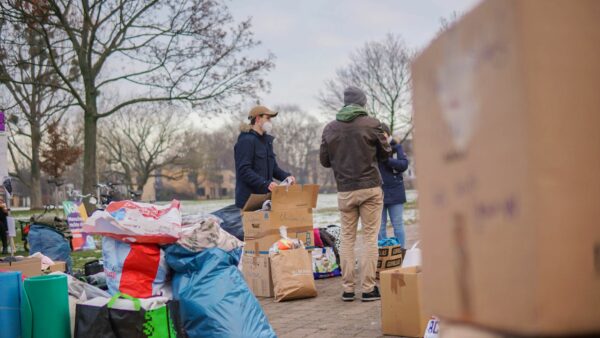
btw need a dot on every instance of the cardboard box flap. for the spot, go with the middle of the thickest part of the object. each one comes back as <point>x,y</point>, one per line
<point>255,202</point>
<point>295,196</point>
<point>286,197</point>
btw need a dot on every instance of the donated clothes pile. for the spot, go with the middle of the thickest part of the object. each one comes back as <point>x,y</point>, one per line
<point>167,276</point>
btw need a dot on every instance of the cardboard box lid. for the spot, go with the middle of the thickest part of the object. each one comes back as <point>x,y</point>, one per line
<point>263,223</point>
<point>29,266</point>
<point>286,197</point>
<point>24,261</point>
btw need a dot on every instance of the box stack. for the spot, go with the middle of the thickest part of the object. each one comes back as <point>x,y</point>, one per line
<point>292,207</point>
<point>507,110</point>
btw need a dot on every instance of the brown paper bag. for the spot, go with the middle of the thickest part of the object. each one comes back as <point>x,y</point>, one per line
<point>292,275</point>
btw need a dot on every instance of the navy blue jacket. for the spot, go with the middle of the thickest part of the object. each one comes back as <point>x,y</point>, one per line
<point>391,173</point>
<point>255,166</point>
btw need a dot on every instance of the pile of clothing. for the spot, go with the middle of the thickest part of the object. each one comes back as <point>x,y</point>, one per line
<point>166,276</point>
<point>152,251</point>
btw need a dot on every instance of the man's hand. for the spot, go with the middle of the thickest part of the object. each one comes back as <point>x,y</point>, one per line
<point>272,186</point>
<point>292,180</point>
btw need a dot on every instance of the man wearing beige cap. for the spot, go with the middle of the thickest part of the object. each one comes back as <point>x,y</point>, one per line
<point>255,163</point>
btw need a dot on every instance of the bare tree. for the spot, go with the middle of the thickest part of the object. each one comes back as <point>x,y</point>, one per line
<point>32,98</point>
<point>140,142</point>
<point>208,153</point>
<point>297,142</point>
<point>185,50</point>
<point>382,70</point>
<point>446,23</point>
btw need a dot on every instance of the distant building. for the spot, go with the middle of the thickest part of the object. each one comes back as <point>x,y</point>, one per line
<point>221,185</point>
<point>218,185</point>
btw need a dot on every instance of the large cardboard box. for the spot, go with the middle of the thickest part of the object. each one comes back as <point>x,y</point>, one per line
<point>390,257</point>
<point>290,206</point>
<point>507,145</point>
<point>458,330</point>
<point>257,272</point>
<point>29,267</point>
<point>401,307</point>
<point>261,228</point>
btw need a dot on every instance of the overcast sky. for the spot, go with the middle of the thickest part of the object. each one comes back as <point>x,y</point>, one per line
<point>312,38</point>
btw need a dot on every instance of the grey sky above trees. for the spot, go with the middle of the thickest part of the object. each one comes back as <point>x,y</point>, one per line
<point>311,39</point>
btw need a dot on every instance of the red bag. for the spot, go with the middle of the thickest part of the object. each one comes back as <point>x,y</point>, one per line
<point>318,241</point>
<point>140,270</point>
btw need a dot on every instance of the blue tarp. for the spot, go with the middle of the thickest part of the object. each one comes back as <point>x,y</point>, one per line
<point>215,301</point>
<point>50,243</point>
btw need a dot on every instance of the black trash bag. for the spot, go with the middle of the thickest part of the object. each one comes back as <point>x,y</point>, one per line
<point>105,322</point>
<point>232,220</point>
<point>93,267</point>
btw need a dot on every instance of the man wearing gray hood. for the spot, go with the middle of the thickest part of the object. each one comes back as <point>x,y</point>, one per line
<point>352,145</point>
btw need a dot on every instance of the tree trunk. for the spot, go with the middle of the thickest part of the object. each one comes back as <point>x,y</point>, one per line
<point>90,176</point>
<point>36,176</point>
<point>141,182</point>
<point>90,115</point>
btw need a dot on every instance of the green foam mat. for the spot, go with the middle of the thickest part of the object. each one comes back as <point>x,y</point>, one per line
<point>45,307</point>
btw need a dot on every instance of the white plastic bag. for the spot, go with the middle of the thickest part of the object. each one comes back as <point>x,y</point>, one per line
<point>324,263</point>
<point>412,257</point>
<point>10,223</point>
<point>432,328</point>
<point>136,222</point>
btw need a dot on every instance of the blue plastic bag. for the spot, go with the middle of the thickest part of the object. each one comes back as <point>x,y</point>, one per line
<point>214,299</point>
<point>388,242</point>
<point>50,243</point>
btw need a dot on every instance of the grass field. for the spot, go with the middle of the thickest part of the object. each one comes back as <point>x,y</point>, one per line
<point>326,213</point>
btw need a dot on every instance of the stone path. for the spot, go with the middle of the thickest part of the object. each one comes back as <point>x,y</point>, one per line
<point>327,315</point>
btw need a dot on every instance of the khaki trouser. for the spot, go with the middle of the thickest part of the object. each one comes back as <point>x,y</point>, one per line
<point>366,204</point>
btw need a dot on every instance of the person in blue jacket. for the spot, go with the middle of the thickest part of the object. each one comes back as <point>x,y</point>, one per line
<point>394,195</point>
<point>255,162</point>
